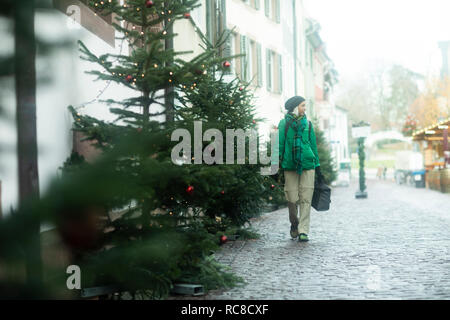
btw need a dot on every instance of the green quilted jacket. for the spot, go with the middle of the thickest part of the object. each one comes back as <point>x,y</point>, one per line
<point>309,158</point>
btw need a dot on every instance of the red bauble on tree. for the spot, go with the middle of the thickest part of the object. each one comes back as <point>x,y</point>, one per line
<point>129,78</point>
<point>227,64</point>
<point>272,186</point>
<point>223,239</point>
<point>190,190</point>
<point>187,15</point>
<point>149,3</point>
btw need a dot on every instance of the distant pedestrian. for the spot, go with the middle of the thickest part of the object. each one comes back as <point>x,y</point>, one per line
<point>384,173</point>
<point>300,161</point>
<point>379,172</point>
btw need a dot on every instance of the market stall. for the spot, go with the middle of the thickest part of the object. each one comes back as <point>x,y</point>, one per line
<point>432,141</point>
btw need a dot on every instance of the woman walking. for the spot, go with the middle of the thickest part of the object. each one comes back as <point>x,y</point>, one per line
<point>300,161</point>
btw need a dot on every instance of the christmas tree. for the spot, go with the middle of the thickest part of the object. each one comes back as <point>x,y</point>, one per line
<point>168,217</point>
<point>133,218</point>
<point>327,165</point>
<point>241,192</point>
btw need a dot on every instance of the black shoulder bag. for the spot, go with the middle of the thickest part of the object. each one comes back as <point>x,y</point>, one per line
<point>322,193</point>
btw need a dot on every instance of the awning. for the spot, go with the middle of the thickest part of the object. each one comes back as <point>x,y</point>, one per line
<point>434,132</point>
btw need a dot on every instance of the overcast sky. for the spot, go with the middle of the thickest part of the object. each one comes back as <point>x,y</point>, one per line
<point>393,31</point>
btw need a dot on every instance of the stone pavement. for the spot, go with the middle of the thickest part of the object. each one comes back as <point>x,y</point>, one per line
<point>393,245</point>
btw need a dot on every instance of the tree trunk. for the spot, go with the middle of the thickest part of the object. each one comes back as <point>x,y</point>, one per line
<point>169,91</point>
<point>25,79</point>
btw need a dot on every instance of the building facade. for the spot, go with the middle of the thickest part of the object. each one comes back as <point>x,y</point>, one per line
<point>71,86</point>
<point>283,55</point>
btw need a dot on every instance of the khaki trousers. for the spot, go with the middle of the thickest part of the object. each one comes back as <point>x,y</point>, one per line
<point>300,189</point>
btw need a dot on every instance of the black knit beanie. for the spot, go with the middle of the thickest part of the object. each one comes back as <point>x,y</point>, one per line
<point>293,102</point>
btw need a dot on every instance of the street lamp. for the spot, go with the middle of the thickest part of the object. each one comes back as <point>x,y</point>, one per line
<point>361,131</point>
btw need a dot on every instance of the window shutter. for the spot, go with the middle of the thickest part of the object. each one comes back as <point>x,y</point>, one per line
<point>249,59</point>
<point>244,58</point>
<point>277,11</point>
<point>267,7</point>
<point>259,62</point>
<point>227,45</point>
<point>268,70</point>
<point>280,73</point>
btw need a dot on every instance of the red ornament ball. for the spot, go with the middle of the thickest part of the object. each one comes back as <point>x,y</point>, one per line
<point>223,239</point>
<point>149,3</point>
<point>129,78</point>
<point>190,190</point>
<point>187,15</point>
<point>227,64</point>
<point>222,192</point>
<point>241,88</point>
<point>272,186</point>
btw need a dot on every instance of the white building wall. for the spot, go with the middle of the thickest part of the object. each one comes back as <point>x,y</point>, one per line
<point>188,39</point>
<point>253,23</point>
<point>301,49</point>
<point>69,85</point>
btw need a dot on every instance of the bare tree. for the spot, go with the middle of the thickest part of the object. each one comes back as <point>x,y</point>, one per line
<point>382,94</point>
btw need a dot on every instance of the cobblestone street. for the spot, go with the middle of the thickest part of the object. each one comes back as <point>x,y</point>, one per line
<point>393,245</point>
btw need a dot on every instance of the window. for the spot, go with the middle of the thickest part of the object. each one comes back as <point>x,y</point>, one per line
<point>280,73</point>
<point>248,67</point>
<point>272,9</point>
<point>236,48</point>
<point>259,64</point>
<point>276,10</point>
<point>255,4</point>
<point>245,60</point>
<point>274,71</point>
<point>277,73</point>
<point>215,20</point>
<point>232,48</point>
<point>255,63</point>
<point>269,64</point>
